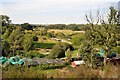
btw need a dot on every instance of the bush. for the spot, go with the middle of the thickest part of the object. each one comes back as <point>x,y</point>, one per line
<point>58,51</point>
<point>33,54</point>
<point>60,35</point>
<point>35,38</point>
<point>49,35</point>
<point>22,72</point>
<point>77,39</point>
<point>83,72</point>
<point>43,45</point>
<point>51,66</point>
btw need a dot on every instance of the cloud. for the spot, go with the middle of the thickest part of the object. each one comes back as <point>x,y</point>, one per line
<point>51,11</point>
<point>59,0</point>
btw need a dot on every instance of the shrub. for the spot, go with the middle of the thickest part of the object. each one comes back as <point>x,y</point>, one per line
<point>49,35</point>
<point>35,38</point>
<point>51,66</point>
<point>58,51</point>
<point>77,39</point>
<point>33,54</point>
<point>68,54</point>
<point>83,72</point>
<point>22,72</point>
<point>43,45</point>
<point>5,48</point>
<point>60,35</point>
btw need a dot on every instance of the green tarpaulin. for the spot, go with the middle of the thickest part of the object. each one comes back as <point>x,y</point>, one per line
<point>12,60</point>
<point>2,59</point>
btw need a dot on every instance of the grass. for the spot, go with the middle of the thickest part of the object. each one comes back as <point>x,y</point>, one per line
<point>46,39</point>
<point>40,71</point>
<point>82,71</point>
<point>18,72</point>
<point>66,32</point>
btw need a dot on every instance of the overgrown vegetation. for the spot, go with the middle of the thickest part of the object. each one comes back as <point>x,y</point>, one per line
<point>43,45</point>
<point>63,41</point>
<point>58,51</point>
<point>104,35</point>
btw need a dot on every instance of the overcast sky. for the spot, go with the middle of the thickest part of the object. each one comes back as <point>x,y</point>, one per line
<point>53,11</point>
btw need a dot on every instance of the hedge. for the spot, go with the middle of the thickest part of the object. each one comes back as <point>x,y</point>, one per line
<point>43,45</point>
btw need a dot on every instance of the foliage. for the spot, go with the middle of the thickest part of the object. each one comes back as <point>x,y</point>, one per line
<point>51,66</point>
<point>5,20</point>
<point>33,53</point>
<point>15,39</point>
<point>5,48</point>
<point>58,50</point>
<point>43,45</point>
<point>6,34</point>
<point>83,72</point>
<point>43,32</point>
<point>27,26</point>
<point>77,39</point>
<point>22,72</point>
<point>27,42</point>
<point>6,25</point>
<point>35,38</point>
<point>38,71</point>
<point>104,35</point>
<point>60,35</point>
<point>49,35</point>
<point>74,27</point>
<point>68,54</point>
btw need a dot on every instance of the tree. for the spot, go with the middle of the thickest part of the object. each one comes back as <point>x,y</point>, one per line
<point>5,48</point>
<point>58,50</point>
<point>49,35</point>
<point>15,39</point>
<point>27,42</point>
<point>5,20</point>
<point>77,39</point>
<point>35,38</point>
<point>43,32</point>
<point>27,26</point>
<point>104,34</point>
<point>60,35</point>
<point>6,34</point>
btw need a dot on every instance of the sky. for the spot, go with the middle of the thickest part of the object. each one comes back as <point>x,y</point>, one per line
<point>53,11</point>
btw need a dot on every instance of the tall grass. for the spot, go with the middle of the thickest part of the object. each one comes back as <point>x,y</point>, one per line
<point>24,72</point>
<point>57,71</point>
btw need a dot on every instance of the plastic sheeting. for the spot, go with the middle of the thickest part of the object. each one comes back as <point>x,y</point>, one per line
<point>12,60</point>
<point>3,59</point>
